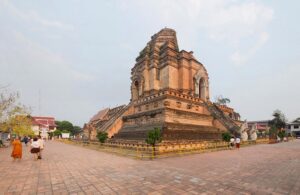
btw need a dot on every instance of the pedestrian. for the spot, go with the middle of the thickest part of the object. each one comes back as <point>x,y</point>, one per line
<point>237,142</point>
<point>278,139</point>
<point>35,147</point>
<point>25,139</point>
<point>231,142</point>
<point>42,145</point>
<point>17,149</point>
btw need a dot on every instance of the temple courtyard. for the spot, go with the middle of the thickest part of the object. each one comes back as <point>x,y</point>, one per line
<point>69,169</point>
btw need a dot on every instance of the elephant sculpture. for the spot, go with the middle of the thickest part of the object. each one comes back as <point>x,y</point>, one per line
<point>243,131</point>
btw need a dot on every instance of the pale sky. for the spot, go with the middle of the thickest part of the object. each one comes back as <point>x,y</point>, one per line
<point>79,54</point>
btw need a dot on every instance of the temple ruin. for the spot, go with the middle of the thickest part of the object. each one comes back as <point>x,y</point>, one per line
<point>169,90</point>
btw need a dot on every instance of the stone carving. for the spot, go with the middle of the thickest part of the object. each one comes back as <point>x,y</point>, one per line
<point>243,131</point>
<point>166,103</point>
<point>253,132</point>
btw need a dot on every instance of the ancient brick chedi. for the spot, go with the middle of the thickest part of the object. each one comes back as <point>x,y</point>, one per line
<point>169,90</point>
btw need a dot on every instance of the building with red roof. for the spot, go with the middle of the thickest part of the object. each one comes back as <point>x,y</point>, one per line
<point>42,125</point>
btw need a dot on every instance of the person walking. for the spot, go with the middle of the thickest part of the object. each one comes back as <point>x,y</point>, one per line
<point>35,148</point>
<point>237,142</point>
<point>231,142</point>
<point>25,139</point>
<point>17,149</point>
<point>42,145</point>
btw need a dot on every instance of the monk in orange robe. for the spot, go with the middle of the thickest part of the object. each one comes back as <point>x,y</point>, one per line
<point>17,149</point>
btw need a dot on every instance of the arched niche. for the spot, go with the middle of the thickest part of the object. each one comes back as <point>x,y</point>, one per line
<point>135,90</point>
<point>201,88</point>
<point>137,87</point>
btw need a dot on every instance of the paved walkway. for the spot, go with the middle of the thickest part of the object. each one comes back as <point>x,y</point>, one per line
<point>68,169</point>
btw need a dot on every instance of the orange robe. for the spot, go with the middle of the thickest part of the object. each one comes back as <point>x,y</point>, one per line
<point>17,149</point>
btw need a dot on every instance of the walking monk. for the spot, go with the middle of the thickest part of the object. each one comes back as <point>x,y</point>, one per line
<point>17,149</point>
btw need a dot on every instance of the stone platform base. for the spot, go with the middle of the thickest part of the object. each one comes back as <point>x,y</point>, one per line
<point>171,132</point>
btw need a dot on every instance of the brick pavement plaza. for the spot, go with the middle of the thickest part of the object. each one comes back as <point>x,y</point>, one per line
<point>69,169</point>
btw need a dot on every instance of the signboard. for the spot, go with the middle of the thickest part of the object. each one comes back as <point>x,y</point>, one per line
<point>65,135</point>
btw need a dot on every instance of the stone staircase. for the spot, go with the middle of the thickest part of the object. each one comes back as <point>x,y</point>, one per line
<point>223,118</point>
<point>136,132</point>
<point>106,126</point>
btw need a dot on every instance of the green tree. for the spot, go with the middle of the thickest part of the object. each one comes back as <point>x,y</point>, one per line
<point>76,130</point>
<point>273,131</point>
<point>57,133</point>
<point>281,134</point>
<point>279,120</point>
<point>153,137</point>
<point>21,125</point>
<point>58,124</point>
<point>51,134</point>
<point>226,136</point>
<point>221,100</point>
<point>14,116</point>
<point>102,136</point>
<point>64,125</point>
<point>277,124</point>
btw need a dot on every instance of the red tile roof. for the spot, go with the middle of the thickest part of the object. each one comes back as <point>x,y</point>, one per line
<point>43,121</point>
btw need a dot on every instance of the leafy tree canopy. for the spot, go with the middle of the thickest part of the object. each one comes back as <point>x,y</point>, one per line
<point>102,136</point>
<point>64,125</point>
<point>222,100</point>
<point>76,130</point>
<point>279,120</point>
<point>13,115</point>
<point>226,136</point>
<point>57,133</point>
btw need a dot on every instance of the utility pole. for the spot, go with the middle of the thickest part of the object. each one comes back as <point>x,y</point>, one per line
<point>39,106</point>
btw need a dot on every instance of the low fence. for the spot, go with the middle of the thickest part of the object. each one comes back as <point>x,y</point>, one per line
<point>162,150</point>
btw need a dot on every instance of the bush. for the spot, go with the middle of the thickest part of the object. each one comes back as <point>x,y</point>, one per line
<point>281,134</point>
<point>102,136</point>
<point>57,133</point>
<point>273,132</point>
<point>226,136</point>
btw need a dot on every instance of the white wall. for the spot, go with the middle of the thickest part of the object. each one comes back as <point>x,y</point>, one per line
<point>295,129</point>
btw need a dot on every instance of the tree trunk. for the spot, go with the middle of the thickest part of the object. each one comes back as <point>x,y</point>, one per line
<point>153,151</point>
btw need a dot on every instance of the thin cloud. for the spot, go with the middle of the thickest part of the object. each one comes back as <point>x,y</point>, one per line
<point>269,92</point>
<point>240,58</point>
<point>225,21</point>
<point>43,60</point>
<point>33,16</point>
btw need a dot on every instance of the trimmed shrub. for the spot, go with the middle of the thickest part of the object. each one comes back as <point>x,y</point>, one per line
<point>102,136</point>
<point>154,136</point>
<point>226,136</point>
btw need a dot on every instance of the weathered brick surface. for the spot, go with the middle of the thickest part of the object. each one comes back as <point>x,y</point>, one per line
<point>68,169</point>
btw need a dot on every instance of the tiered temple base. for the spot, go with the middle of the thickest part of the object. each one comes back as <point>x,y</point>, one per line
<point>179,117</point>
